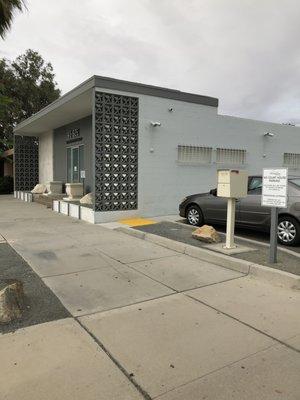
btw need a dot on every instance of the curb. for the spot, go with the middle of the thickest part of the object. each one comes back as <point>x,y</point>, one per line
<point>274,276</point>
<point>284,249</point>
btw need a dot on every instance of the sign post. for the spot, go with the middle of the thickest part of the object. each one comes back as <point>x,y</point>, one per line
<point>274,195</point>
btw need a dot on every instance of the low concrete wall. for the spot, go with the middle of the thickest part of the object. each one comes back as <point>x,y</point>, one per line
<point>64,208</point>
<point>87,214</point>
<point>24,196</point>
<point>74,210</point>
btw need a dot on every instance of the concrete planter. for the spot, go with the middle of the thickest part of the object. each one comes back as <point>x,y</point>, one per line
<point>87,214</point>
<point>74,210</point>
<point>74,191</point>
<point>64,208</point>
<point>54,187</point>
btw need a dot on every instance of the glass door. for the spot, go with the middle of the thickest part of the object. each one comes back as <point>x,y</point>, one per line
<point>75,163</point>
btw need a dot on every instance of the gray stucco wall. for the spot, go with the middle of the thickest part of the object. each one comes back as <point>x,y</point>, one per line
<point>163,182</point>
<point>60,151</point>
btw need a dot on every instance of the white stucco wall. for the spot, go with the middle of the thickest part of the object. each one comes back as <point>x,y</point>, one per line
<point>46,157</point>
<point>163,182</point>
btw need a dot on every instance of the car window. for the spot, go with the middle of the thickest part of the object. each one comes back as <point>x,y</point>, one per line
<point>255,185</point>
<point>295,181</point>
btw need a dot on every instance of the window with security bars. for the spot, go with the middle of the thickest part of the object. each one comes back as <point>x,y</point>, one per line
<point>231,156</point>
<point>194,154</point>
<point>291,160</point>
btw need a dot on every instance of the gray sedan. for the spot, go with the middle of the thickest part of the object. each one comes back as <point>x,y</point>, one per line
<point>208,208</point>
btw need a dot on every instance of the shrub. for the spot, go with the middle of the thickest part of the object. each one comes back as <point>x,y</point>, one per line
<point>6,184</point>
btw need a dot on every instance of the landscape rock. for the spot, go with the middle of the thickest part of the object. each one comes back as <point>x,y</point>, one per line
<point>40,188</point>
<point>11,301</point>
<point>87,199</point>
<point>207,234</point>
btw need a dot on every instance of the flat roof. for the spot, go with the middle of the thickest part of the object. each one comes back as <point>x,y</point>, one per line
<point>157,91</point>
<point>77,103</point>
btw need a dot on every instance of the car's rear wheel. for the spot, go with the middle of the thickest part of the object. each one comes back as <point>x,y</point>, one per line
<point>194,215</point>
<point>288,231</point>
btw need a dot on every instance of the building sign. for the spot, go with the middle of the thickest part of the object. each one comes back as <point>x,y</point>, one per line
<point>73,135</point>
<point>274,190</point>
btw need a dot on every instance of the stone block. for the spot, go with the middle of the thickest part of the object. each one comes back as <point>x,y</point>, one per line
<point>40,188</point>
<point>207,234</point>
<point>11,301</point>
<point>87,199</point>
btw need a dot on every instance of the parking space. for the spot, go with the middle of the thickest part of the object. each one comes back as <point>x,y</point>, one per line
<point>287,261</point>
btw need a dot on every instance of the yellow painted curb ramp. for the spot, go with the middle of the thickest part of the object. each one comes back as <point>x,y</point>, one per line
<point>137,221</point>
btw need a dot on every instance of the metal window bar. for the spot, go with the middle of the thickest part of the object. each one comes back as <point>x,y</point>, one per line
<point>291,160</point>
<point>231,156</point>
<point>194,154</point>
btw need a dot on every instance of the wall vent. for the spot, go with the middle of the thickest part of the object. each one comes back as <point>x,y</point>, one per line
<point>291,160</point>
<point>194,154</point>
<point>231,156</point>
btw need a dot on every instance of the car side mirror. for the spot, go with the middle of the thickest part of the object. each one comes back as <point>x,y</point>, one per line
<point>213,192</point>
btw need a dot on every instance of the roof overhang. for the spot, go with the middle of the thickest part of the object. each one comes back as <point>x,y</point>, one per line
<point>78,103</point>
<point>70,107</point>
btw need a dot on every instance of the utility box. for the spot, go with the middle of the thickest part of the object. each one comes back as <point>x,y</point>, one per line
<point>232,183</point>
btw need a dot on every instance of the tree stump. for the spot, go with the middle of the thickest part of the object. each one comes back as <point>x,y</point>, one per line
<point>11,301</point>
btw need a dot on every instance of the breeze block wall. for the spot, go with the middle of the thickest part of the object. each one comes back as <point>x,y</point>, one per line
<point>26,153</point>
<point>116,152</point>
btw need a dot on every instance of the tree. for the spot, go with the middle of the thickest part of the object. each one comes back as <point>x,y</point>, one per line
<point>26,86</point>
<point>7,9</point>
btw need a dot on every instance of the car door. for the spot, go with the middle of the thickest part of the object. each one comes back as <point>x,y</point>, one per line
<point>250,211</point>
<point>215,209</point>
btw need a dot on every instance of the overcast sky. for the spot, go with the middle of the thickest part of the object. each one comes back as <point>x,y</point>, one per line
<point>245,52</point>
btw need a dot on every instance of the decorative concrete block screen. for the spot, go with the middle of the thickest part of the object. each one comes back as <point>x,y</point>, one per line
<point>116,152</point>
<point>26,152</point>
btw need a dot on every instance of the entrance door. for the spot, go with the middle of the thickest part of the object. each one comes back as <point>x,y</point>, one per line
<point>75,163</point>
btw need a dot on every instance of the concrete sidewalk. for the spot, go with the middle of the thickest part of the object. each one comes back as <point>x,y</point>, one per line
<point>147,322</point>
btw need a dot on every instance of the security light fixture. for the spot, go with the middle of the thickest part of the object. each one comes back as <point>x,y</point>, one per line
<point>268,134</point>
<point>155,123</point>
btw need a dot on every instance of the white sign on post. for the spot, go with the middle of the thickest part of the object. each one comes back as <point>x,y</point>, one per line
<point>274,190</point>
<point>82,174</point>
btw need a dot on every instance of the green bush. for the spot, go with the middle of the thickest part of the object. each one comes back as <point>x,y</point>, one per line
<point>6,184</point>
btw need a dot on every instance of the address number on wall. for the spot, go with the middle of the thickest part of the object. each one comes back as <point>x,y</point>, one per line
<point>73,133</point>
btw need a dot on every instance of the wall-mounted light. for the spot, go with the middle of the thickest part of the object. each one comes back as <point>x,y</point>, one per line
<point>268,134</point>
<point>155,123</point>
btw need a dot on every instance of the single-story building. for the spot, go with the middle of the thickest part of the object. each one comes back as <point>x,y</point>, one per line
<point>140,149</point>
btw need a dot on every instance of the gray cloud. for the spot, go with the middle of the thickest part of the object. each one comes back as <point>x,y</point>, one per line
<point>246,53</point>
